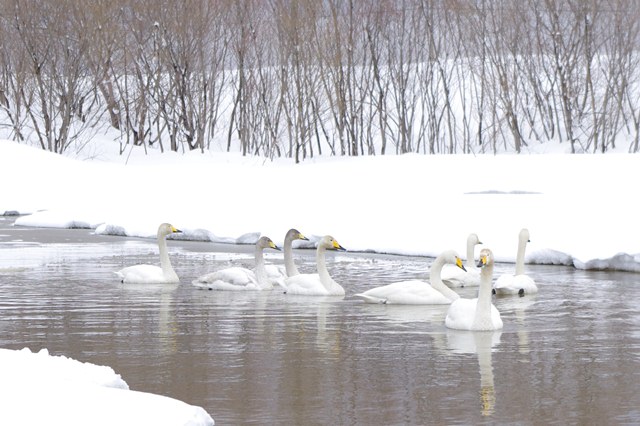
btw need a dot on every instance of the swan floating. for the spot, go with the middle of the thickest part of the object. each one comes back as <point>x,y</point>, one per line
<point>277,273</point>
<point>520,283</point>
<point>320,284</point>
<point>151,274</point>
<point>416,292</point>
<point>470,276</point>
<point>240,279</point>
<point>477,314</point>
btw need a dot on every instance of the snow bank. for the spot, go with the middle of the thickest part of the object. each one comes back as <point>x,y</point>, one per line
<point>577,207</point>
<point>38,388</point>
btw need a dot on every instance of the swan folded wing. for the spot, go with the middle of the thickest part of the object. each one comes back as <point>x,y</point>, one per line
<point>453,276</point>
<point>306,284</point>
<point>142,274</point>
<point>513,284</point>
<point>235,276</point>
<point>462,316</point>
<point>276,274</point>
<point>411,292</point>
<point>225,286</point>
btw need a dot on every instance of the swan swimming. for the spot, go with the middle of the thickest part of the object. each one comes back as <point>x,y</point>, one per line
<point>320,284</point>
<point>477,314</point>
<point>470,277</point>
<point>518,283</point>
<point>416,292</point>
<point>151,274</point>
<point>239,279</point>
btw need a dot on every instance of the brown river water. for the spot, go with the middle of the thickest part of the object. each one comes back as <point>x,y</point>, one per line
<point>569,355</point>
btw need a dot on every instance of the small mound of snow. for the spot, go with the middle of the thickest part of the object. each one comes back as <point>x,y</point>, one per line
<point>619,262</point>
<point>550,257</point>
<point>109,229</point>
<point>51,219</point>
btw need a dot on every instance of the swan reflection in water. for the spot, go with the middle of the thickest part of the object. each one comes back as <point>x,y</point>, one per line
<point>480,343</point>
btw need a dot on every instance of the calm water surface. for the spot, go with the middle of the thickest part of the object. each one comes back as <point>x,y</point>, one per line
<point>571,355</point>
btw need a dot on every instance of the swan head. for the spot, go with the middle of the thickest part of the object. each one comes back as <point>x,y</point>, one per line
<point>524,235</point>
<point>265,242</point>
<point>294,234</point>
<point>450,256</point>
<point>166,229</point>
<point>328,242</point>
<point>486,258</point>
<point>473,239</point>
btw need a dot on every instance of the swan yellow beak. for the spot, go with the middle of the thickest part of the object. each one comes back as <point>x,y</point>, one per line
<point>459,264</point>
<point>482,261</point>
<point>174,229</point>
<point>337,246</point>
<point>302,237</point>
<point>273,245</point>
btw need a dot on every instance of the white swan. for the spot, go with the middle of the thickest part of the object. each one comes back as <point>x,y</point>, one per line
<point>150,274</point>
<point>521,284</point>
<point>277,273</point>
<point>320,284</point>
<point>237,278</point>
<point>477,314</point>
<point>416,292</point>
<point>470,277</point>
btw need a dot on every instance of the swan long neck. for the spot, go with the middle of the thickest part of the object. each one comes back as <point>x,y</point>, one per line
<point>289,265</point>
<point>323,273</point>
<point>522,246</point>
<point>436,280</point>
<point>483,308</point>
<point>261,271</point>
<point>470,254</point>
<point>165,262</point>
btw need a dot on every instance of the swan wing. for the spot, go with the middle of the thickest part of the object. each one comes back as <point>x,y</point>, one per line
<point>276,274</point>
<point>461,314</point>
<point>508,284</point>
<point>454,276</point>
<point>305,284</point>
<point>143,274</point>
<point>412,292</point>
<point>234,278</point>
<point>225,286</point>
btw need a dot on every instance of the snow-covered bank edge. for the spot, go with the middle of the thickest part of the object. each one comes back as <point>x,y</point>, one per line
<point>39,388</point>
<point>619,262</point>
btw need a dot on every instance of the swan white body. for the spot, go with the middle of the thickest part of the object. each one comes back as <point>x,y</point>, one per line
<point>415,292</point>
<point>477,314</point>
<point>240,279</point>
<point>457,277</point>
<point>151,274</point>
<point>320,284</point>
<point>518,283</point>
<point>277,273</point>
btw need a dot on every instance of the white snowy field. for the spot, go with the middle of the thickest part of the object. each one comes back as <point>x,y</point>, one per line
<point>580,210</point>
<point>41,389</point>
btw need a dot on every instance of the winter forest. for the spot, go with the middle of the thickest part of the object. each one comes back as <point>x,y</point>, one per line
<point>301,78</point>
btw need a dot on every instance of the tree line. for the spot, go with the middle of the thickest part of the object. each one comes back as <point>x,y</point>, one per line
<point>300,78</point>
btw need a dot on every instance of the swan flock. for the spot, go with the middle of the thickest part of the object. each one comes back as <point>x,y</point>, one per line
<point>446,273</point>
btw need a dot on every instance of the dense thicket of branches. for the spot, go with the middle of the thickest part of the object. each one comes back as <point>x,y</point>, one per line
<point>300,78</point>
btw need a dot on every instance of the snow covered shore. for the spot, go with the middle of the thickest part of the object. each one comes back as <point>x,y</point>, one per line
<point>580,209</point>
